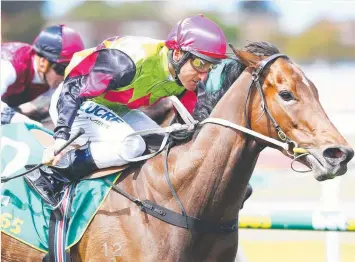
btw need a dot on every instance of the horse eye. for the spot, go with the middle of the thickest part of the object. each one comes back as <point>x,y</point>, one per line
<point>286,95</point>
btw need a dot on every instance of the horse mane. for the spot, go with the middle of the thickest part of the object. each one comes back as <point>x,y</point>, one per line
<point>231,71</point>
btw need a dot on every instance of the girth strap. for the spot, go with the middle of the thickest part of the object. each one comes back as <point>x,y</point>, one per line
<point>177,219</point>
<point>188,222</point>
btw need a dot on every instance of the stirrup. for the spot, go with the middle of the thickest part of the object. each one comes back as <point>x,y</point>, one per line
<point>41,181</point>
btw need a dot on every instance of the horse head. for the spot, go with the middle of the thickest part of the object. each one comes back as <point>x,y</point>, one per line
<point>284,104</point>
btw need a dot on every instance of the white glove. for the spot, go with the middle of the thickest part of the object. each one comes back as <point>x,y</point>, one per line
<point>48,157</point>
<point>20,118</point>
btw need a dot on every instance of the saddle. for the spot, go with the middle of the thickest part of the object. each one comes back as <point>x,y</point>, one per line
<point>50,182</point>
<point>47,140</point>
<point>153,142</point>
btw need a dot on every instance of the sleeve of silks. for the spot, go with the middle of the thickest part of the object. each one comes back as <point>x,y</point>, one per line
<point>8,76</point>
<point>102,70</point>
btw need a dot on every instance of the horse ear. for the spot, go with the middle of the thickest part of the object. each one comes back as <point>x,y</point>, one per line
<point>245,57</point>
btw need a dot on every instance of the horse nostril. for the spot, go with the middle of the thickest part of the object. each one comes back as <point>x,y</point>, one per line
<point>336,155</point>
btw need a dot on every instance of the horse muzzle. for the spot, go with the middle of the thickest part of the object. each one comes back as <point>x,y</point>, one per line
<point>330,161</point>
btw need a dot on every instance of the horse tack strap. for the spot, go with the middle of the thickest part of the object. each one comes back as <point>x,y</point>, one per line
<point>52,254</point>
<point>227,123</point>
<point>188,222</point>
<point>58,230</point>
<point>184,113</point>
<point>266,61</point>
<point>177,219</point>
<point>183,220</point>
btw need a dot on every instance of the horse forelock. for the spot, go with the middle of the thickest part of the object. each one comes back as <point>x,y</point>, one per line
<point>230,73</point>
<point>261,49</point>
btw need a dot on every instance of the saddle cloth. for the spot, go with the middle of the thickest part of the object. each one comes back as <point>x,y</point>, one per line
<point>24,215</point>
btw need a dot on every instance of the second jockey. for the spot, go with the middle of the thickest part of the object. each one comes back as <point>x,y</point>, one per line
<point>30,73</point>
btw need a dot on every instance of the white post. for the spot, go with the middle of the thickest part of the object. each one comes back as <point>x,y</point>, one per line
<point>332,247</point>
<point>330,202</point>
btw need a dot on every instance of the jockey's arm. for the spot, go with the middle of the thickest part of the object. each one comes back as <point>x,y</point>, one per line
<point>159,111</point>
<point>163,111</point>
<point>10,114</point>
<point>8,76</point>
<point>39,107</point>
<point>109,64</point>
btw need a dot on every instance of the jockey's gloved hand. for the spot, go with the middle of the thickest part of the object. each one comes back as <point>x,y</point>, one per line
<point>9,115</point>
<point>48,157</point>
<point>20,118</point>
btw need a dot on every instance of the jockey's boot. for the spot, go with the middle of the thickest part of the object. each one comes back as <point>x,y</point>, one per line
<point>76,164</point>
<point>247,194</point>
<point>42,180</point>
<point>49,181</point>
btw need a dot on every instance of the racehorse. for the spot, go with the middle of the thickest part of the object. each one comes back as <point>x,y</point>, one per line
<point>209,174</point>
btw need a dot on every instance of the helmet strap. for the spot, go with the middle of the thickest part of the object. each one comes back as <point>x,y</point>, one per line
<point>178,64</point>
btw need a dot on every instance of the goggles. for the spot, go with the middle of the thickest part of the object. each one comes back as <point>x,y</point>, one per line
<point>200,65</point>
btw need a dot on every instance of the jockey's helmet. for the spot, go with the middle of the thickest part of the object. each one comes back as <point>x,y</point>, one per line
<point>58,43</point>
<point>200,37</point>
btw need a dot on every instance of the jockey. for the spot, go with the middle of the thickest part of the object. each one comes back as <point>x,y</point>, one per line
<point>105,85</point>
<point>30,73</point>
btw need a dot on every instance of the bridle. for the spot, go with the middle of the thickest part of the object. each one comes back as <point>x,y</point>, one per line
<point>256,75</point>
<point>288,144</point>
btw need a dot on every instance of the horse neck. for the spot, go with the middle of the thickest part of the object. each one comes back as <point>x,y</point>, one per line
<point>212,174</point>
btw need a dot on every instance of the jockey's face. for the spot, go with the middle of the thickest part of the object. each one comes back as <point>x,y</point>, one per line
<point>189,75</point>
<point>48,72</point>
<point>53,79</point>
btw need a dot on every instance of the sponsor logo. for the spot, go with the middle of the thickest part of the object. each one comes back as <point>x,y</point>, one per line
<point>98,122</point>
<point>93,109</point>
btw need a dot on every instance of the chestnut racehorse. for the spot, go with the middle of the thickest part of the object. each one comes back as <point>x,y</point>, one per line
<point>273,97</point>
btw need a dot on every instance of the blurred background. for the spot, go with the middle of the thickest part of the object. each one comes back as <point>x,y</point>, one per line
<point>318,35</point>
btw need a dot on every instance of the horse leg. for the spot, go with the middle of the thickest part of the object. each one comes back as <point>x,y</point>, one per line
<point>13,250</point>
